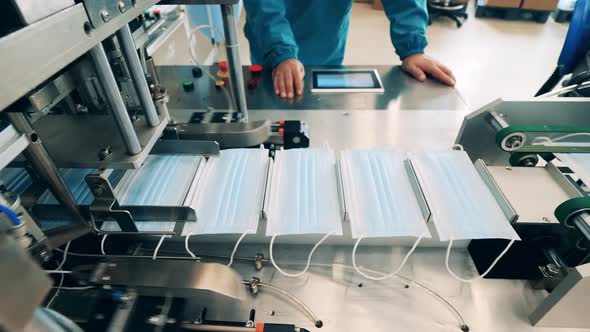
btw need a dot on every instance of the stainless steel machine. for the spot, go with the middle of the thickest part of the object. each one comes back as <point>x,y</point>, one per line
<point>102,152</point>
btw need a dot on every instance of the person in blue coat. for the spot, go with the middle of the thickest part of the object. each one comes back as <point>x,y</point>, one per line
<point>287,34</point>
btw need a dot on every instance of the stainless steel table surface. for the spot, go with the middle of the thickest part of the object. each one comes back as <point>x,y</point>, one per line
<point>346,301</point>
<point>401,93</point>
<point>416,116</point>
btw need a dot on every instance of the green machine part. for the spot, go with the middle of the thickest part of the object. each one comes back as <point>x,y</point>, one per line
<point>569,208</point>
<point>561,130</point>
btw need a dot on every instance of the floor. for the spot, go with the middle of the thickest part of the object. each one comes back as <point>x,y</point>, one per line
<point>491,58</point>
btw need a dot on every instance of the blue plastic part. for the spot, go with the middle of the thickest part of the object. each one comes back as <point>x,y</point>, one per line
<point>577,42</point>
<point>11,214</point>
<point>117,296</point>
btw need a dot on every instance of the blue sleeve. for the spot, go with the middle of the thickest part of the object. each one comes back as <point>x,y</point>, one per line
<point>268,25</point>
<point>409,19</point>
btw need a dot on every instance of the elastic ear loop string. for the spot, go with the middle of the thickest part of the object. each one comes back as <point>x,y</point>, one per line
<point>104,238</point>
<point>299,274</point>
<point>387,276</point>
<point>155,255</point>
<point>231,258</point>
<point>483,274</point>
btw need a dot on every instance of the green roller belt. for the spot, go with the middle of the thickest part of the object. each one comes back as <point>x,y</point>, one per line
<point>544,129</point>
<point>567,208</point>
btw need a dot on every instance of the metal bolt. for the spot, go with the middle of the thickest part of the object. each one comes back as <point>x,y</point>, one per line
<point>99,316</point>
<point>259,261</point>
<point>106,278</point>
<point>103,153</point>
<point>105,15</point>
<point>121,6</point>
<point>514,142</point>
<point>97,190</point>
<point>250,323</point>
<point>81,108</point>
<point>545,219</point>
<point>508,168</point>
<point>253,286</point>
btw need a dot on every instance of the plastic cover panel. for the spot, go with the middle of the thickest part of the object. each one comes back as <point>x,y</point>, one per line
<point>303,196</point>
<point>461,204</point>
<point>579,163</point>
<point>163,180</point>
<point>230,193</point>
<point>380,201</point>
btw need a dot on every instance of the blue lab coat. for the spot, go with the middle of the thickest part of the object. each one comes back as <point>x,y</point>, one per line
<point>314,31</point>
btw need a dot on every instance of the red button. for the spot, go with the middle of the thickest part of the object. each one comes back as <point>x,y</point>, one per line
<point>156,12</point>
<point>223,65</point>
<point>255,68</point>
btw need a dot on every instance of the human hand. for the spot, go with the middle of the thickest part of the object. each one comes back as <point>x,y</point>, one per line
<point>419,65</point>
<point>288,78</point>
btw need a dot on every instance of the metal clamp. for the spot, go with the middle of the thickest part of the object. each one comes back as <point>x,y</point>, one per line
<point>106,204</point>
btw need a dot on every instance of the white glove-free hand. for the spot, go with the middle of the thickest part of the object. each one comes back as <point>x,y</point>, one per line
<point>288,78</point>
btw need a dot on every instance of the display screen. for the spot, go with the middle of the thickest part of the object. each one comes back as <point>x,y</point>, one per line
<point>345,80</point>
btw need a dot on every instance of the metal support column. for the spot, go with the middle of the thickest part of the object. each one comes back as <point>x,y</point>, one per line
<point>137,75</point>
<point>233,59</point>
<point>42,164</point>
<point>115,100</point>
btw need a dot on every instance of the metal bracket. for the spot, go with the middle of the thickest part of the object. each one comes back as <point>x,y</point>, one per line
<point>101,12</point>
<point>105,203</point>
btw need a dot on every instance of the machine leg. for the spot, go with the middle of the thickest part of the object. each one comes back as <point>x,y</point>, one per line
<point>130,53</point>
<point>234,63</point>
<point>115,100</point>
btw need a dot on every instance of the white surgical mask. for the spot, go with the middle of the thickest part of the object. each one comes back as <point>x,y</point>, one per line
<point>461,204</point>
<point>162,180</point>
<point>380,201</point>
<point>229,196</point>
<point>303,197</point>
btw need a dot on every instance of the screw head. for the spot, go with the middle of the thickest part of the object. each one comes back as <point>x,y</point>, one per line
<point>121,6</point>
<point>552,269</point>
<point>97,191</point>
<point>105,15</point>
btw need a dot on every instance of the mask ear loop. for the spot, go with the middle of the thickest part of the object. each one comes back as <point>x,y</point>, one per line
<point>387,276</point>
<point>188,250</point>
<point>231,258</point>
<point>299,274</point>
<point>483,274</point>
<point>104,238</point>
<point>155,255</point>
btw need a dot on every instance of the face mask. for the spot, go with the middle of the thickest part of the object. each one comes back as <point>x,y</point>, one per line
<point>380,201</point>
<point>163,180</point>
<point>75,181</point>
<point>303,197</point>
<point>579,163</point>
<point>229,196</point>
<point>461,204</point>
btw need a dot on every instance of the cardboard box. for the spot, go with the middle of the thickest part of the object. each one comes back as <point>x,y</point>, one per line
<point>499,3</point>
<point>546,5</point>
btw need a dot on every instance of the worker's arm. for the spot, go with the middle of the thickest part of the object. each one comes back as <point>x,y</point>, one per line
<point>409,19</point>
<point>274,36</point>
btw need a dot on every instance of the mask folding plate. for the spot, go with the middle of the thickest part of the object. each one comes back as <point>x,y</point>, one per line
<point>303,195</point>
<point>380,201</point>
<point>462,206</point>
<point>229,196</point>
<point>163,180</point>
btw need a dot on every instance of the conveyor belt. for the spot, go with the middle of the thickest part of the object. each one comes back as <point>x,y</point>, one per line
<point>296,186</point>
